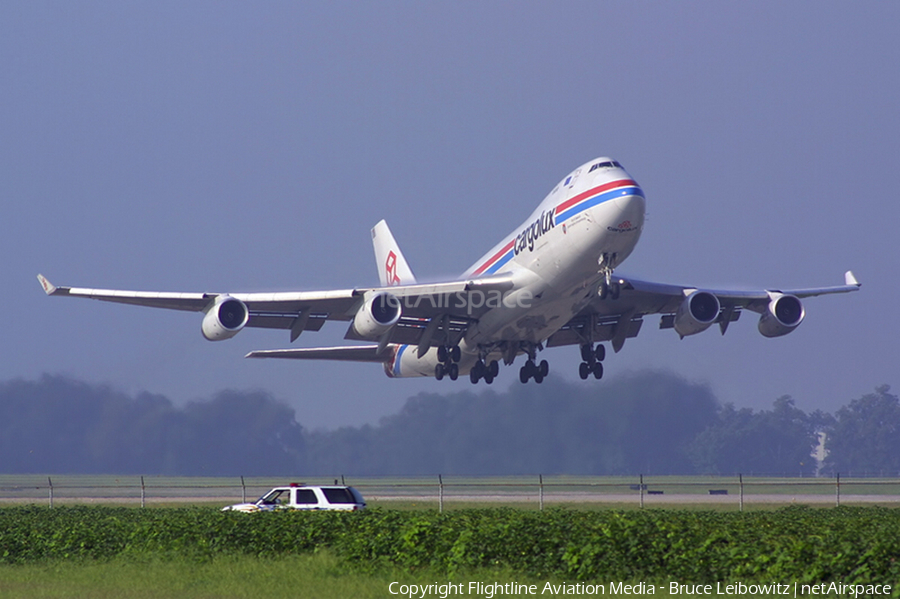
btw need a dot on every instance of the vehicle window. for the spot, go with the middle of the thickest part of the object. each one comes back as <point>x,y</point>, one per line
<point>273,498</point>
<point>356,494</point>
<point>305,496</point>
<point>340,495</point>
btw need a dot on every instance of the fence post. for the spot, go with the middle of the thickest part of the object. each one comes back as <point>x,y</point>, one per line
<point>837,491</point>
<point>541,483</point>
<point>143,493</point>
<point>741,481</point>
<point>50,482</point>
<point>641,485</point>
<point>440,494</point>
<point>243,491</point>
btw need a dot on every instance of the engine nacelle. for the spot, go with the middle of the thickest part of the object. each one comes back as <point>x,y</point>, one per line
<point>782,315</point>
<point>224,318</point>
<point>696,313</point>
<point>379,313</point>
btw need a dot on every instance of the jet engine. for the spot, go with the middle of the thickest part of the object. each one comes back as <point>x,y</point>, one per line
<point>782,315</point>
<point>224,318</point>
<point>696,313</point>
<point>379,313</point>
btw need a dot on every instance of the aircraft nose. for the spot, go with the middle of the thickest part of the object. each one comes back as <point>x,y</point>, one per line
<point>632,207</point>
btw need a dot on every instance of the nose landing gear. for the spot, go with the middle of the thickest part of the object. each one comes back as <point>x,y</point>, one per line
<point>608,288</point>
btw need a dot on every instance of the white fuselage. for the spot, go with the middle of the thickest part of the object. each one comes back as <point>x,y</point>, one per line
<point>558,258</point>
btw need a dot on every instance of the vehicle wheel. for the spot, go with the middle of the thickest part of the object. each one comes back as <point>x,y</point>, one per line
<point>524,375</point>
<point>545,368</point>
<point>538,378</point>
<point>442,353</point>
<point>600,353</point>
<point>584,370</point>
<point>473,375</point>
<point>439,371</point>
<point>455,353</point>
<point>598,371</point>
<point>615,290</point>
<point>489,378</point>
<point>453,371</point>
<point>603,291</point>
<point>494,369</point>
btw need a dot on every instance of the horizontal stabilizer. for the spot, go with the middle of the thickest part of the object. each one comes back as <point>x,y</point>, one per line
<point>346,353</point>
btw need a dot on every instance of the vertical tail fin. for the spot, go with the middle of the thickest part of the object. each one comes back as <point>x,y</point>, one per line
<point>392,266</point>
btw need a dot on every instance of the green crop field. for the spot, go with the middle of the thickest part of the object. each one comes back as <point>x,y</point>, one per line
<point>204,552</point>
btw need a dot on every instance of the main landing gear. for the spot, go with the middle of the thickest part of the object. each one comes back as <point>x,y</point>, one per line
<point>448,356</point>
<point>534,371</point>
<point>488,372</point>
<point>593,361</point>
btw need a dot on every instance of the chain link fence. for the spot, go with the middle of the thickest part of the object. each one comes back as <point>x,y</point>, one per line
<point>538,491</point>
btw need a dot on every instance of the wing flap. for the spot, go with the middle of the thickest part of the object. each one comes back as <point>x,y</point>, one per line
<point>264,320</point>
<point>578,331</point>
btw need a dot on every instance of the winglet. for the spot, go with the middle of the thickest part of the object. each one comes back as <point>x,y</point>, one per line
<point>49,288</point>
<point>850,279</point>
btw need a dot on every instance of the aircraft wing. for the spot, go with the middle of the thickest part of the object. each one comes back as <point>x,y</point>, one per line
<point>621,318</point>
<point>308,310</point>
<point>348,353</point>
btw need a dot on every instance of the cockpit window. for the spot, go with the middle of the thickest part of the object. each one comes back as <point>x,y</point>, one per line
<point>606,164</point>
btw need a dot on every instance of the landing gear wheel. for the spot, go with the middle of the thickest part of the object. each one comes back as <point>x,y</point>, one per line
<point>598,371</point>
<point>600,353</point>
<point>473,376</point>
<point>538,377</point>
<point>524,374</point>
<point>544,369</point>
<point>489,378</point>
<point>494,369</point>
<point>453,371</point>
<point>442,353</point>
<point>455,353</point>
<point>439,371</point>
<point>584,370</point>
<point>587,353</point>
<point>614,290</point>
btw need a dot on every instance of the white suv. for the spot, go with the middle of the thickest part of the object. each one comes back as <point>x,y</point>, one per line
<point>304,497</point>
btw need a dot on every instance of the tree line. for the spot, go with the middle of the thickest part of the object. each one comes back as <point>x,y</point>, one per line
<point>648,422</point>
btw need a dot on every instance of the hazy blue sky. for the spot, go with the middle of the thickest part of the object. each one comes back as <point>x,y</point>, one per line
<point>233,146</point>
